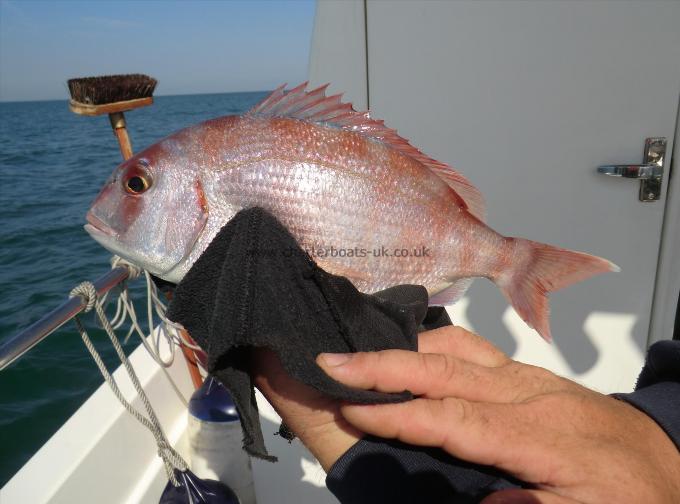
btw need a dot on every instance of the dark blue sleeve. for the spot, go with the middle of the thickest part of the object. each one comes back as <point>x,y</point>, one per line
<point>658,388</point>
<point>377,470</point>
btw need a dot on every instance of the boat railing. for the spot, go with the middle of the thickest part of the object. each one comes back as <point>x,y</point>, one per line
<point>22,342</point>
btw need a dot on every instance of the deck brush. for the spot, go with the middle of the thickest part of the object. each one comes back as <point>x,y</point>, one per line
<point>112,95</point>
<point>111,88</point>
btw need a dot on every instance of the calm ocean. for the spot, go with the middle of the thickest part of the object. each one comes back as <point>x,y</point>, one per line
<point>52,164</point>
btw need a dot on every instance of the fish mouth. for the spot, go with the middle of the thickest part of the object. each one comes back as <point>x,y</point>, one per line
<point>103,234</point>
<point>96,226</point>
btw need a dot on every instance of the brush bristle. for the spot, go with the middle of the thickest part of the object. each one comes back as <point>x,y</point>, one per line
<point>111,88</point>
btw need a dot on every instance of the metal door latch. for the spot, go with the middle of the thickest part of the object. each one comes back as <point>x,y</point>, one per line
<point>650,172</point>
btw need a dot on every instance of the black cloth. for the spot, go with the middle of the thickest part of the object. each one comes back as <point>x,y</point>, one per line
<point>376,470</point>
<point>255,287</point>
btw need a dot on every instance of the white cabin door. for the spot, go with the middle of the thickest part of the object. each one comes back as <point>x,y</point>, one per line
<point>527,99</point>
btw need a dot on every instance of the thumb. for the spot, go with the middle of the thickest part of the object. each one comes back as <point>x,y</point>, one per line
<point>517,496</point>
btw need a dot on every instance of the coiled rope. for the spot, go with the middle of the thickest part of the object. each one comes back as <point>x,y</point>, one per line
<point>167,330</point>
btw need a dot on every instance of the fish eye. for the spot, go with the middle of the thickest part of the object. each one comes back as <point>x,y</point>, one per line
<point>136,184</point>
<point>137,181</point>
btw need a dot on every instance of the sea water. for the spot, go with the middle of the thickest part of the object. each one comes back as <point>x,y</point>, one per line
<point>52,165</point>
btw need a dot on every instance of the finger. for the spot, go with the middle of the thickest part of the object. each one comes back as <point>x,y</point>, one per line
<point>488,434</point>
<point>432,375</point>
<point>461,343</point>
<point>517,496</point>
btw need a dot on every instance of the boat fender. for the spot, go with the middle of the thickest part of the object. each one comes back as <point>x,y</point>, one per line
<point>216,439</point>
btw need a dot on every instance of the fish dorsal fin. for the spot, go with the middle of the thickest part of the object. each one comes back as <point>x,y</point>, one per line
<point>315,106</point>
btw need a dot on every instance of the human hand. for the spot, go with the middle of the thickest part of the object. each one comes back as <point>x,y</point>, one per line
<point>572,444</point>
<point>314,417</point>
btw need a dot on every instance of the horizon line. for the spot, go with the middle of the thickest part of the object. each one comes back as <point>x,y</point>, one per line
<point>155,96</point>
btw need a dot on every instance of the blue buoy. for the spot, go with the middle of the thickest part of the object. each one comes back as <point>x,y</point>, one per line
<point>213,403</point>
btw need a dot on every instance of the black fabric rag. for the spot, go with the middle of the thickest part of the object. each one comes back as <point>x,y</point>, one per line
<point>255,287</point>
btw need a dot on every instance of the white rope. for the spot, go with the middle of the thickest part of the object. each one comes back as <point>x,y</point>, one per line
<point>167,332</point>
<point>171,459</point>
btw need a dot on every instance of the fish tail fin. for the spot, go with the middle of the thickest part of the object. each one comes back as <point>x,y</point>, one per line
<point>538,269</point>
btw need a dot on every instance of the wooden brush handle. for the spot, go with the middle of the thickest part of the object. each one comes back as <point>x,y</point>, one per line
<point>192,361</point>
<point>118,124</point>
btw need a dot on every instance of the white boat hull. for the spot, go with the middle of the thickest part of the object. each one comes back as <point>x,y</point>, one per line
<point>102,454</point>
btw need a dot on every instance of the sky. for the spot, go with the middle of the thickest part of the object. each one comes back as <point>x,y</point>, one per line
<point>191,47</point>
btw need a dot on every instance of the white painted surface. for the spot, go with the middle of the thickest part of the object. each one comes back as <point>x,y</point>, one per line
<point>527,99</point>
<point>102,454</point>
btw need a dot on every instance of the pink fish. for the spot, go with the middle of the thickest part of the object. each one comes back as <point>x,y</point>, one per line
<point>359,198</point>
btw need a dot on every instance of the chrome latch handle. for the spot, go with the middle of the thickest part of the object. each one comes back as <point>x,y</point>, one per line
<point>650,172</point>
<point>631,171</point>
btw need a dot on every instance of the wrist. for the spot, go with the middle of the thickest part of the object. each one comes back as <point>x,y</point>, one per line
<point>330,441</point>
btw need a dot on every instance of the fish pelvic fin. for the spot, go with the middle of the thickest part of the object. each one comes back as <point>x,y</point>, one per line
<point>451,294</point>
<point>316,107</point>
<point>538,269</point>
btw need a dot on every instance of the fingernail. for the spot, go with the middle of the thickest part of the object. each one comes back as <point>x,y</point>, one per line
<point>335,359</point>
